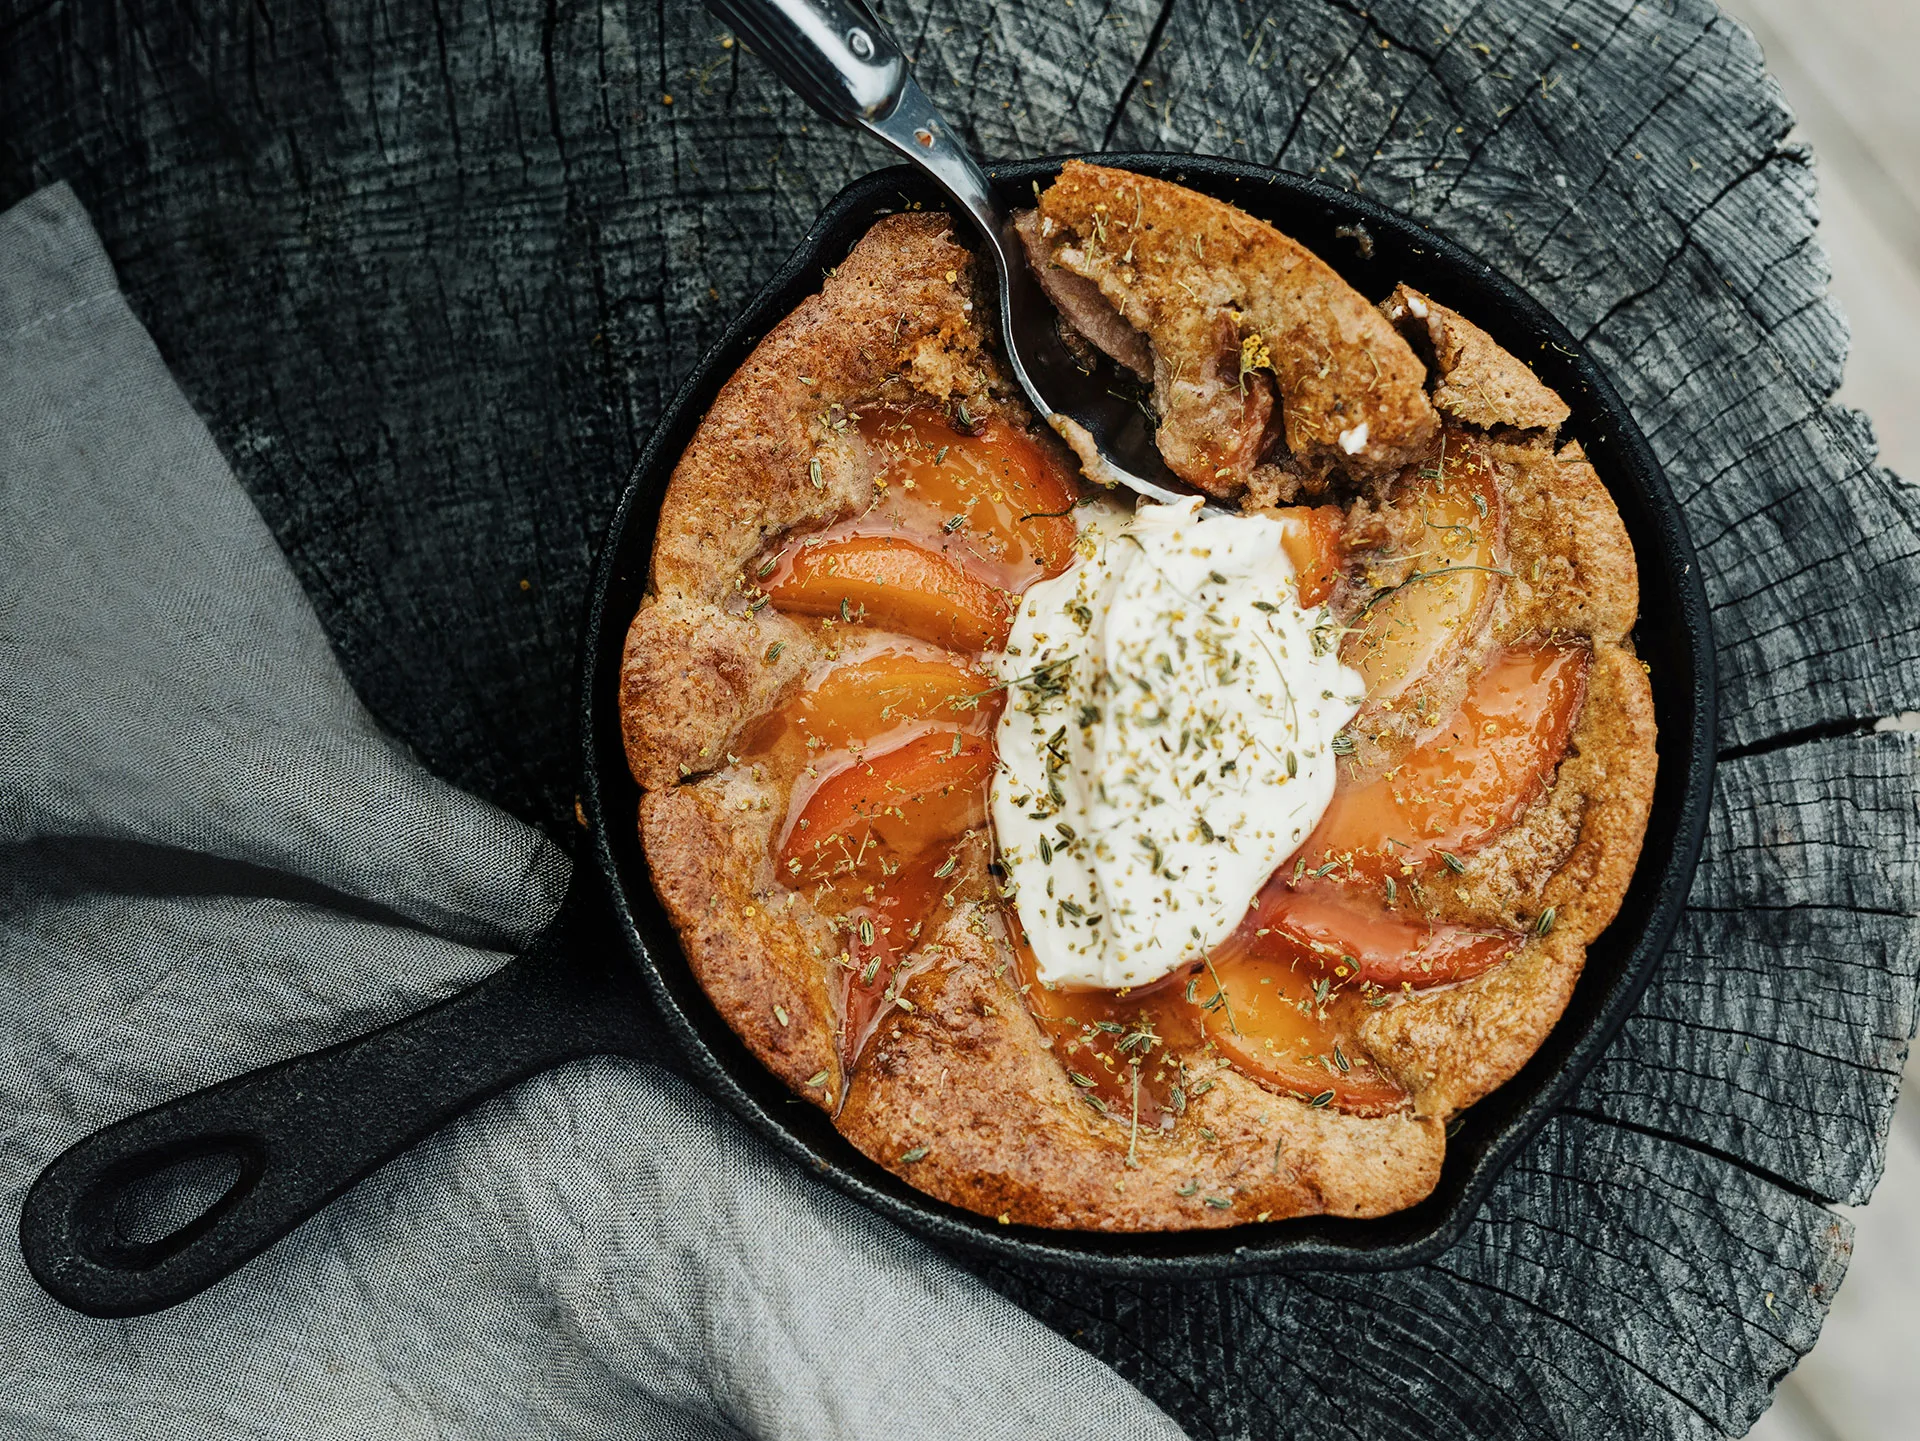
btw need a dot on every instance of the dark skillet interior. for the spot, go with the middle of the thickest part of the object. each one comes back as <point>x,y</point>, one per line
<point>1373,248</point>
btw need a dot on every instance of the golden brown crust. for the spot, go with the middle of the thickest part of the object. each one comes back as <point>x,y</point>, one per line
<point>960,1077</point>
<point>760,951</point>
<point>1200,278</point>
<point>1475,381</point>
<point>900,305</point>
<point>965,1083</point>
<point>1560,515</point>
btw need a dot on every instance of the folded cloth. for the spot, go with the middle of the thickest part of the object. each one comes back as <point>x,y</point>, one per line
<point>211,858</point>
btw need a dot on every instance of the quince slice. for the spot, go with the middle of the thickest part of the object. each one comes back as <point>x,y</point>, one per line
<point>1312,537</point>
<point>1434,594</point>
<point>1293,1028</point>
<point>892,584</point>
<point>1118,1048</point>
<point>854,704</point>
<point>1348,935</point>
<point>870,816</point>
<point>996,489</point>
<point>1466,783</point>
<point>882,922</point>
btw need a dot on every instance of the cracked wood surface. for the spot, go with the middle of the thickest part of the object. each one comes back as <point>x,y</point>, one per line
<point>430,273</point>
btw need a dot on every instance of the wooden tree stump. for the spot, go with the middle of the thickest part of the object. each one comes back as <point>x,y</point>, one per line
<point>431,272</point>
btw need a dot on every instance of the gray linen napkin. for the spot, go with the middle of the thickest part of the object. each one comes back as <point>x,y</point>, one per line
<point>210,858</point>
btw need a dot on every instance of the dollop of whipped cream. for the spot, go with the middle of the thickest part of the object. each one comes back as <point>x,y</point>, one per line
<point>1167,740</point>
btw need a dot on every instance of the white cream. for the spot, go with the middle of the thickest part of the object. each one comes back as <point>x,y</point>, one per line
<point>1167,740</point>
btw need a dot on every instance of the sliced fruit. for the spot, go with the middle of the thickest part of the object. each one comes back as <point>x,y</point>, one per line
<point>893,584</point>
<point>884,921</point>
<point>1086,315</point>
<point>1459,789</point>
<point>1106,1041</point>
<point>1215,415</point>
<point>1292,1028</point>
<point>872,815</point>
<point>1347,935</point>
<point>1311,536</point>
<point>855,704</point>
<point>1433,597</point>
<point>1012,499</point>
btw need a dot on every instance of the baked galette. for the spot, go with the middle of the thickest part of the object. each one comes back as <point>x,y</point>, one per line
<point>1124,867</point>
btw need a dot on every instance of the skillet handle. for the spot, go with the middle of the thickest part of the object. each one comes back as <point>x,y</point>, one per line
<point>303,1131</point>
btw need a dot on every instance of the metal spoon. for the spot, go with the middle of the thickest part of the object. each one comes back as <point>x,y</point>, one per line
<point>835,56</point>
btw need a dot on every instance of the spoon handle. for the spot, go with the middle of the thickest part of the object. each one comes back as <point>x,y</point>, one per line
<point>832,53</point>
<point>836,56</point>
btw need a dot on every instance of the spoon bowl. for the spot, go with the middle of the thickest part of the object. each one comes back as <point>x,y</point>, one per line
<point>836,56</point>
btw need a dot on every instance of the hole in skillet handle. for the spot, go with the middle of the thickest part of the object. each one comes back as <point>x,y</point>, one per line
<point>154,1209</point>
<point>150,1206</point>
<point>1372,248</point>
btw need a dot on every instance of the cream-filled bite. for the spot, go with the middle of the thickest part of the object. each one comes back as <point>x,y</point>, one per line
<point>1168,740</point>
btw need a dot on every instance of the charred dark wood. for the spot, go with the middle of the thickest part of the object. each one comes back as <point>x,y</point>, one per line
<point>431,272</point>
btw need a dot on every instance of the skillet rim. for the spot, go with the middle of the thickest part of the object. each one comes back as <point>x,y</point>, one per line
<point>1489,1135</point>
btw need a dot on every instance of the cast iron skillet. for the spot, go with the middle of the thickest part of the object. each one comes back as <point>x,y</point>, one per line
<point>613,980</point>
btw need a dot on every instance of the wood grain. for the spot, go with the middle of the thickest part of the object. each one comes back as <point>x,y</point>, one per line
<point>430,272</point>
